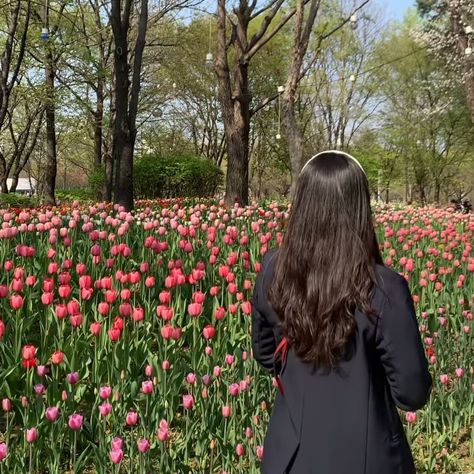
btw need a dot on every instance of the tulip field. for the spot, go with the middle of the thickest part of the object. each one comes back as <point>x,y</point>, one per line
<point>125,337</point>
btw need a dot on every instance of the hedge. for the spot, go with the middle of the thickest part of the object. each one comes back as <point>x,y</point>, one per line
<point>173,176</point>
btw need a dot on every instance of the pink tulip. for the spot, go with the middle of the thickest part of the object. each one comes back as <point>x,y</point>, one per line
<point>105,392</point>
<point>16,302</point>
<point>6,404</point>
<point>226,411</point>
<point>191,378</point>
<point>410,416</point>
<point>147,387</point>
<point>188,402</point>
<point>138,314</point>
<point>444,378</point>
<point>75,421</point>
<point>208,332</point>
<point>234,389</point>
<point>52,413</point>
<point>31,435</point>
<point>240,450</point>
<point>131,418</point>
<point>194,309</point>
<point>105,409</point>
<point>459,372</point>
<point>41,370</point>
<point>259,452</point>
<point>148,370</point>
<point>116,456</point>
<point>163,430</point>
<point>143,445</point>
<point>3,451</point>
<point>72,378</point>
<point>117,443</point>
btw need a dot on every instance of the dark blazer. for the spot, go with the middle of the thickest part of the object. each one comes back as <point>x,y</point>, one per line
<point>345,421</point>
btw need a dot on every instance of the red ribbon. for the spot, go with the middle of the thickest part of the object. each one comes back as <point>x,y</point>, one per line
<point>283,348</point>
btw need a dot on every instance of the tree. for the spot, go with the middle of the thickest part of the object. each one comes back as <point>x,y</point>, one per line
<point>126,94</point>
<point>18,14</point>
<point>449,32</point>
<point>127,83</point>
<point>425,124</point>
<point>233,81</point>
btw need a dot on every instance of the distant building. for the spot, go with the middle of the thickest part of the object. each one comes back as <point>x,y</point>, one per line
<point>24,186</point>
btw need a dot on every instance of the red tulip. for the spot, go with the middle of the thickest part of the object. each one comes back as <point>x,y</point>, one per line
<point>208,332</point>
<point>194,309</point>
<point>95,328</point>
<point>57,358</point>
<point>16,302</point>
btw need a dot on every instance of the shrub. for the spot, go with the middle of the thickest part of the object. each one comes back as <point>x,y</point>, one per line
<point>17,200</point>
<point>172,176</point>
<point>69,195</point>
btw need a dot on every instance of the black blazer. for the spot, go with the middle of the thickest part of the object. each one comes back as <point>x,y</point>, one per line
<point>345,421</point>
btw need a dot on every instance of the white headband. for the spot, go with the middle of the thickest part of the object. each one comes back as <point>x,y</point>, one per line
<point>333,151</point>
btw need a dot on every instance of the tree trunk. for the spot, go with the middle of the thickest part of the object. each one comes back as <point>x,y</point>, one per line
<point>3,184</point>
<point>51,158</point>
<point>235,100</point>
<point>295,140</point>
<point>107,193</point>
<point>126,97</point>
<point>437,190</point>
<point>237,179</point>
<point>98,121</point>
<point>470,94</point>
<point>15,177</point>
<point>121,134</point>
<point>294,135</point>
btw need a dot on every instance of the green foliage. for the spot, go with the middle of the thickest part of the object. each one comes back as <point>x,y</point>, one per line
<point>171,176</point>
<point>97,181</point>
<point>81,194</point>
<point>17,200</point>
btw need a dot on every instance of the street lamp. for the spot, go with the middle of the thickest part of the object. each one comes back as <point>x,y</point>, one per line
<point>353,21</point>
<point>209,57</point>
<point>44,34</point>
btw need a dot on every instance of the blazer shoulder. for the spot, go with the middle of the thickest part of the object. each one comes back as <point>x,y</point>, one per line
<point>389,279</point>
<point>269,255</point>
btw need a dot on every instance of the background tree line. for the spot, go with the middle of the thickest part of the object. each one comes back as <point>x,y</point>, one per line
<point>90,87</point>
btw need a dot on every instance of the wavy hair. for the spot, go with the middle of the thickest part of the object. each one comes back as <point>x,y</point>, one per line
<point>325,268</point>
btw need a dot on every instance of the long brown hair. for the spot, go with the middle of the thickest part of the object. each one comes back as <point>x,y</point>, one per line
<point>325,268</point>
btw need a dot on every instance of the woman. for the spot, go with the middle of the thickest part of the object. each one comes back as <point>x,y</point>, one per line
<point>338,330</point>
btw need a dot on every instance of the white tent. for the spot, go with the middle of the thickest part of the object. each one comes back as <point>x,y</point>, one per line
<point>25,185</point>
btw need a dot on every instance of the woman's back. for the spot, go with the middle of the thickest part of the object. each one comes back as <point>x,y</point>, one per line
<point>344,420</point>
<point>338,329</point>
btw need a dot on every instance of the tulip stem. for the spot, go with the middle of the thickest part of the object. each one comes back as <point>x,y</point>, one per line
<point>73,460</point>
<point>187,439</point>
<point>31,459</point>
